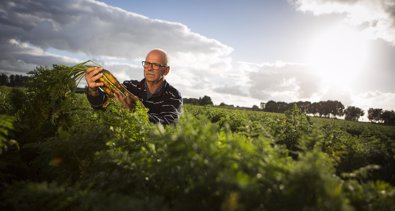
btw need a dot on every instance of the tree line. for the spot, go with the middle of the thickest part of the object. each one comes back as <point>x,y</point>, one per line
<point>205,100</point>
<point>327,109</point>
<point>379,115</point>
<point>13,80</point>
<point>332,108</point>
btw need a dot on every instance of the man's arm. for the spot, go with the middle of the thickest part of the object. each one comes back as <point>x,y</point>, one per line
<point>96,99</point>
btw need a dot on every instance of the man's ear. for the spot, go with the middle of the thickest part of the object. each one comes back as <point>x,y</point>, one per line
<point>167,70</point>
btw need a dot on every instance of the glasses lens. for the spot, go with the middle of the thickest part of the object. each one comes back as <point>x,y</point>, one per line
<point>149,64</point>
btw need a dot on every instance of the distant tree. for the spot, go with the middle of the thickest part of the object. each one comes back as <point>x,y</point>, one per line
<point>271,106</point>
<point>336,108</point>
<point>313,108</point>
<point>206,100</point>
<point>193,101</point>
<point>226,105</point>
<point>353,113</point>
<point>283,107</point>
<point>323,109</point>
<point>11,80</point>
<point>303,106</point>
<point>17,80</point>
<point>374,114</point>
<point>255,108</point>
<point>388,117</point>
<point>3,79</point>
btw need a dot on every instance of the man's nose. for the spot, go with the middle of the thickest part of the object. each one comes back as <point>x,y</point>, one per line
<point>151,68</point>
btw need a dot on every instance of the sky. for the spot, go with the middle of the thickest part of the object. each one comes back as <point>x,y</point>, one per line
<point>237,52</point>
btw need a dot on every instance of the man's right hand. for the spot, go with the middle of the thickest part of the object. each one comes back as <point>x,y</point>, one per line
<point>92,75</point>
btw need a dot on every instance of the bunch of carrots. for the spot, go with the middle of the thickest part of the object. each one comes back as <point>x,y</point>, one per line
<point>111,84</point>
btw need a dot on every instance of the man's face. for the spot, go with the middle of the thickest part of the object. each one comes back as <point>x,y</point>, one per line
<point>154,73</point>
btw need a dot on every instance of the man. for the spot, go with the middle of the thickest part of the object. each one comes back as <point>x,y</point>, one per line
<point>163,100</point>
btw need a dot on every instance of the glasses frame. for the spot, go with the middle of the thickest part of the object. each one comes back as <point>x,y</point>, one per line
<point>154,66</point>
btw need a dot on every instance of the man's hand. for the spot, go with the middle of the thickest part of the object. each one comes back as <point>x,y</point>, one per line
<point>92,75</point>
<point>125,100</point>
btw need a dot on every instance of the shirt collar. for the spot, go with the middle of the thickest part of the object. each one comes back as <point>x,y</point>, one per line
<point>158,92</point>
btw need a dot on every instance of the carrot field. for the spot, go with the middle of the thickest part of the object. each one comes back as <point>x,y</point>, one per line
<point>57,153</point>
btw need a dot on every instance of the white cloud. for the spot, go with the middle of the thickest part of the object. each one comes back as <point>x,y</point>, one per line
<point>41,33</point>
<point>96,30</point>
<point>375,99</point>
<point>376,18</point>
<point>284,82</point>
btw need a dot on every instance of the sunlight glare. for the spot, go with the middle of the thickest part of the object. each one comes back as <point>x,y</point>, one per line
<point>338,55</point>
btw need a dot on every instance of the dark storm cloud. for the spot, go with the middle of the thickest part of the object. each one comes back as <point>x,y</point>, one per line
<point>91,28</point>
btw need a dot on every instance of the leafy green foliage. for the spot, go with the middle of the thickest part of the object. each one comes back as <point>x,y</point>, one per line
<point>72,157</point>
<point>6,127</point>
<point>5,105</point>
<point>50,100</point>
<point>53,196</point>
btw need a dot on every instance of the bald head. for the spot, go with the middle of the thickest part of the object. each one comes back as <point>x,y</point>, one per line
<point>156,74</point>
<point>159,55</point>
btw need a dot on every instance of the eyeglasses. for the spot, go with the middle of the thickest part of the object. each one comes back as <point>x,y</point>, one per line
<point>154,66</point>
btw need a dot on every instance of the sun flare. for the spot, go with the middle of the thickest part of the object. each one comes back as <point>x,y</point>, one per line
<point>338,55</point>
